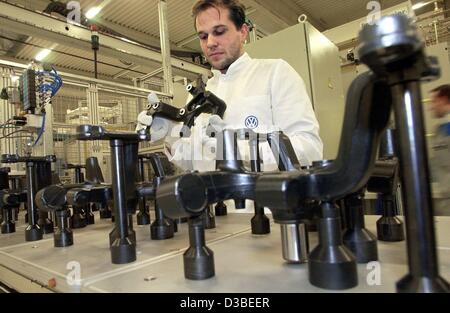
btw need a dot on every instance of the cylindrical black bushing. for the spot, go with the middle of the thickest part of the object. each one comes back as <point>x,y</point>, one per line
<point>77,220</point>
<point>123,251</point>
<point>260,222</point>
<point>45,223</point>
<point>209,220</point>
<point>331,264</point>
<point>179,221</point>
<point>221,209</point>
<point>357,238</point>
<point>390,229</point>
<point>8,225</point>
<point>114,235</point>
<point>63,236</point>
<point>90,218</point>
<point>198,259</point>
<point>33,233</point>
<point>389,226</point>
<point>239,204</point>
<point>105,212</point>
<point>162,229</point>
<point>143,218</point>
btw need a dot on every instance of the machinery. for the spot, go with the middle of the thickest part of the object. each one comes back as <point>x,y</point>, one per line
<point>38,176</point>
<point>9,202</point>
<point>37,86</point>
<point>56,199</point>
<point>326,196</point>
<point>393,84</point>
<point>124,192</point>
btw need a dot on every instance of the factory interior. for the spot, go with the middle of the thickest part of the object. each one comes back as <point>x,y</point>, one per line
<point>289,146</point>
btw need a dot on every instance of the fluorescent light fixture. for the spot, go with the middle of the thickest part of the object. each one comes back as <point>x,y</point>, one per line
<point>421,4</point>
<point>92,12</point>
<point>42,54</point>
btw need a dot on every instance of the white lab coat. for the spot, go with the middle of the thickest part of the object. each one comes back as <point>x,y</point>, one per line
<point>263,95</point>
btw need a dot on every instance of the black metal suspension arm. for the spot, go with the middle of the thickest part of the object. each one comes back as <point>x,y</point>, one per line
<point>366,116</point>
<point>146,190</point>
<point>89,194</point>
<point>10,198</point>
<point>55,196</point>
<point>202,102</point>
<point>14,158</point>
<point>384,178</point>
<point>283,151</point>
<point>189,194</point>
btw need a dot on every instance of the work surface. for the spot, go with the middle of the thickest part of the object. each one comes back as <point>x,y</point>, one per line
<point>243,262</point>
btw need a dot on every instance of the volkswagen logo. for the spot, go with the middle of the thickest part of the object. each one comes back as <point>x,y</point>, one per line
<point>251,122</point>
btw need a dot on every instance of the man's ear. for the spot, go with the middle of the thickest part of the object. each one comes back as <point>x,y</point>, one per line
<point>244,32</point>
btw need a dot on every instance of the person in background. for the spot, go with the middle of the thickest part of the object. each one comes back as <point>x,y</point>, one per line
<point>440,107</point>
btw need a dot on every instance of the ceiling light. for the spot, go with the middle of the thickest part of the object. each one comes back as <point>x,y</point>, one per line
<point>421,4</point>
<point>42,54</point>
<point>92,12</point>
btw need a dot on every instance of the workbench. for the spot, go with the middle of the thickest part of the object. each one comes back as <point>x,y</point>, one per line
<point>243,262</point>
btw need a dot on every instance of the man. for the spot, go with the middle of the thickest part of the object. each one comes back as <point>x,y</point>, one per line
<point>263,95</point>
<point>440,102</point>
<point>440,106</point>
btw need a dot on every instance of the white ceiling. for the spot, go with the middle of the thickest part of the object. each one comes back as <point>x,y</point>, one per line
<point>138,20</point>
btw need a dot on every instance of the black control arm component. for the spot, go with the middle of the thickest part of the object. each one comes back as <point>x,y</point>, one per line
<point>189,194</point>
<point>364,121</point>
<point>202,102</point>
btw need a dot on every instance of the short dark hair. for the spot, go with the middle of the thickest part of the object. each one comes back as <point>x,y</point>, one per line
<point>236,9</point>
<point>443,91</point>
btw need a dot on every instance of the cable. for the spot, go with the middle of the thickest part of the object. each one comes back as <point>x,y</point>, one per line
<point>9,136</point>
<point>53,87</point>
<point>72,55</point>
<point>41,131</point>
<point>8,122</point>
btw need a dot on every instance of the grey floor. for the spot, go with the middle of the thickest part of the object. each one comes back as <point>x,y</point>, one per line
<point>242,261</point>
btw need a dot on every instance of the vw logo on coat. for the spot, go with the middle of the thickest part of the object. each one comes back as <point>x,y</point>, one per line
<point>251,122</point>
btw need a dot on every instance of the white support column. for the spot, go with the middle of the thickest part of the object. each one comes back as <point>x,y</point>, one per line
<point>165,47</point>
<point>6,112</point>
<point>94,119</point>
<point>46,145</point>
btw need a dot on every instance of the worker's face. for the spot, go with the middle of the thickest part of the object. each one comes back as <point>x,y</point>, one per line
<point>220,40</point>
<point>439,105</point>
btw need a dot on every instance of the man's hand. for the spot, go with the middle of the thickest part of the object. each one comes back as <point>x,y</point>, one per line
<point>214,125</point>
<point>143,121</point>
<point>159,127</point>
